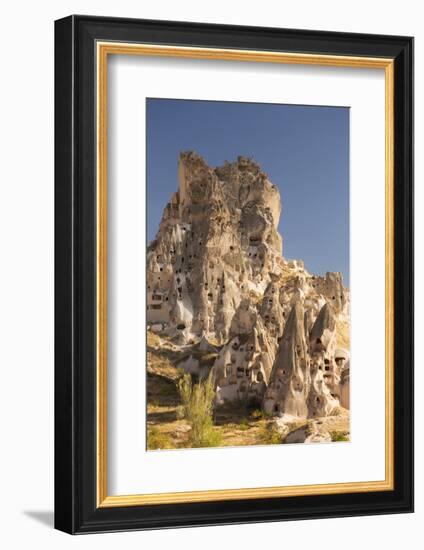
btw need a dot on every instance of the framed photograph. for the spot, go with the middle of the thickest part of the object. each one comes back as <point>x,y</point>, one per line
<point>234,274</point>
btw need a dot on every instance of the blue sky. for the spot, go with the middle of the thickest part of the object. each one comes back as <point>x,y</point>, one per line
<point>303,149</point>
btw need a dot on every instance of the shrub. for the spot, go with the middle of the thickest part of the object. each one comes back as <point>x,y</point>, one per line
<point>270,435</point>
<point>339,436</point>
<point>197,408</point>
<point>157,440</point>
<point>257,414</point>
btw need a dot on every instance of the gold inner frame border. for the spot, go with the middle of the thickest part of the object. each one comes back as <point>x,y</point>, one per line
<point>103,50</point>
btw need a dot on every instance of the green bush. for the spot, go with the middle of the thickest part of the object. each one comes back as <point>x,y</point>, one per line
<point>197,408</point>
<point>157,440</point>
<point>339,436</point>
<point>270,435</point>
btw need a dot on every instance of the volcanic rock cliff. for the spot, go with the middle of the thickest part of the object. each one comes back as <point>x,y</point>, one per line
<point>217,278</point>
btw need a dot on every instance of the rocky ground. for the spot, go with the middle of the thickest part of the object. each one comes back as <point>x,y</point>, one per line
<point>236,424</point>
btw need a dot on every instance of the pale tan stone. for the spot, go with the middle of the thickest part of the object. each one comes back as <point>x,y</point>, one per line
<point>218,282</point>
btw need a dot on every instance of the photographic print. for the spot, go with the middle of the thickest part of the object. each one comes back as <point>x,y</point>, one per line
<point>247,270</point>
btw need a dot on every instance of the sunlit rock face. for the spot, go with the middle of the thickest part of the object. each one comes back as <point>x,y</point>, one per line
<point>290,381</point>
<point>216,273</point>
<point>217,243</point>
<point>322,342</point>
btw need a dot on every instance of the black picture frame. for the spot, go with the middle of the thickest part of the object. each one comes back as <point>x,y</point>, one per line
<point>76,508</point>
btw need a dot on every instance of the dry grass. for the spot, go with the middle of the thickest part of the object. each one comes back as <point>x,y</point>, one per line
<point>174,434</point>
<point>158,440</point>
<point>251,431</point>
<point>161,390</point>
<point>153,340</point>
<point>232,425</point>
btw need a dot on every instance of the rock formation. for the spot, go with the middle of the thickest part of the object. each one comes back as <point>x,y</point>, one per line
<point>216,276</point>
